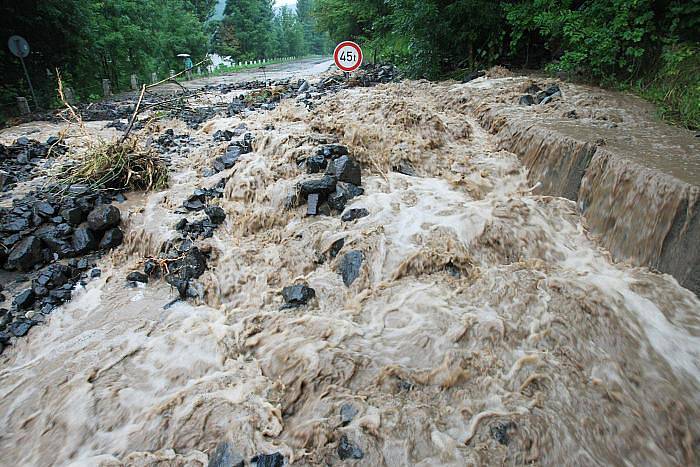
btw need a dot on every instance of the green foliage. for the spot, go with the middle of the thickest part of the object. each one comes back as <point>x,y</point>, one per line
<point>604,41</point>
<point>251,30</point>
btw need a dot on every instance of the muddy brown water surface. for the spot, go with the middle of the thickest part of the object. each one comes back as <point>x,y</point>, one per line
<point>486,327</point>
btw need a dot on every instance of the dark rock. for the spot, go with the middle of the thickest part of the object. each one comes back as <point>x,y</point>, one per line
<point>552,89</point>
<point>336,247</point>
<point>499,432</point>
<point>228,160</point>
<point>25,254</point>
<point>52,140</point>
<point>61,295</point>
<point>119,198</point>
<point>354,213</point>
<point>73,215</point>
<point>527,99</point>
<point>24,300</point>
<point>312,208</point>
<point>223,135</point>
<point>350,265</point>
<point>351,191</point>
<point>225,456</point>
<point>16,224</point>
<point>22,141</point>
<point>337,200</point>
<point>44,209</point>
<point>150,267</point>
<point>194,203</point>
<point>82,264</point>
<point>4,337</point>
<point>112,239</point>
<point>95,273</point>
<point>19,328</point>
<point>84,240</point>
<point>137,276</point>
<point>316,163</point>
<point>269,460</point>
<point>181,224</point>
<point>103,217</point>
<point>57,220</point>
<point>547,99</point>
<point>334,150</point>
<point>345,169</point>
<point>347,413</point>
<point>473,75</point>
<point>321,186</point>
<point>235,107</point>
<point>297,295</point>
<point>191,266</point>
<point>348,450</point>
<point>55,275</point>
<point>216,214</point>
<point>405,168</point>
<point>304,86</point>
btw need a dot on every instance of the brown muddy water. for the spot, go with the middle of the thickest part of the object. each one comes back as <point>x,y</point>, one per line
<point>486,326</point>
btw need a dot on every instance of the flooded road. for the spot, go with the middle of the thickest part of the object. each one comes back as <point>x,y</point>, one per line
<point>485,327</point>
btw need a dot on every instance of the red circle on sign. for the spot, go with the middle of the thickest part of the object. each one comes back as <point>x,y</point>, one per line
<point>337,51</point>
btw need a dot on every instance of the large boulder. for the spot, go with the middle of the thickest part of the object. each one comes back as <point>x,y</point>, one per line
<point>111,239</point>
<point>103,217</point>
<point>345,169</point>
<point>322,186</point>
<point>84,240</point>
<point>25,254</point>
<point>350,265</point>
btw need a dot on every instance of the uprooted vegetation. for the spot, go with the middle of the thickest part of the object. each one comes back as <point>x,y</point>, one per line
<point>119,166</point>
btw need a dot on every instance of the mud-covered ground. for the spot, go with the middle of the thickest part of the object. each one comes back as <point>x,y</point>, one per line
<point>464,319</point>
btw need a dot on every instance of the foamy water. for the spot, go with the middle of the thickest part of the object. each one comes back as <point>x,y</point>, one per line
<point>480,305</point>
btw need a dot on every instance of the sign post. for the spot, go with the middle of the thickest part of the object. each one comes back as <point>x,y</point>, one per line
<point>20,48</point>
<point>347,56</point>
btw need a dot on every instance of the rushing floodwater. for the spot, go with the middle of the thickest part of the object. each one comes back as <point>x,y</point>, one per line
<point>486,327</point>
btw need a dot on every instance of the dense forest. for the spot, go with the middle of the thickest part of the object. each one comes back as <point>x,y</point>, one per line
<point>90,40</point>
<point>650,46</point>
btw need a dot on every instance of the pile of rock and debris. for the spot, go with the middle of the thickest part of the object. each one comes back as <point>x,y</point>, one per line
<point>48,243</point>
<point>18,161</point>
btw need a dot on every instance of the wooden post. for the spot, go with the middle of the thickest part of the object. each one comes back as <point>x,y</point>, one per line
<point>106,88</point>
<point>23,105</point>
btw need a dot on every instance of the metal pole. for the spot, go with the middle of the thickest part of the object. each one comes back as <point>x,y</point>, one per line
<point>29,81</point>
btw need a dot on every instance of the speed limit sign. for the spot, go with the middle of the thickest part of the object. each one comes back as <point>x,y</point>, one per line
<point>347,56</point>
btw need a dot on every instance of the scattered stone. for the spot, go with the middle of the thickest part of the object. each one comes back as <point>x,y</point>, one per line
<point>345,169</point>
<point>351,191</point>
<point>84,240</point>
<point>103,217</point>
<point>312,208</point>
<point>24,300</point>
<point>350,265</point>
<point>334,150</point>
<point>269,460</point>
<point>526,100</point>
<point>336,247</point>
<point>96,272</point>
<point>304,86</point>
<point>194,203</point>
<point>316,163</point>
<point>473,75</point>
<point>25,254</point>
<point>137,276</point>
<point>499,431</point>
<point>354,213</point>
<point>338,199</point>
<point>19,328</point>
<point>321,186</point>
<point>111,239</point>
<point>297,295</point>
<point>73,215</point>
<point>225,456</point>
<point>222,135</point>
<point>216,214</point>
<point>119,198</point>
<point>190,266</point>
<point>347,413</point>
<point>348,450</point>
<point>406,168</point>
<point>228,160</point>
<point>44,209</point>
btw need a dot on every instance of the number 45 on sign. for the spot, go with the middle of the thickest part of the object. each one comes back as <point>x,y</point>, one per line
<point>347,56</point>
